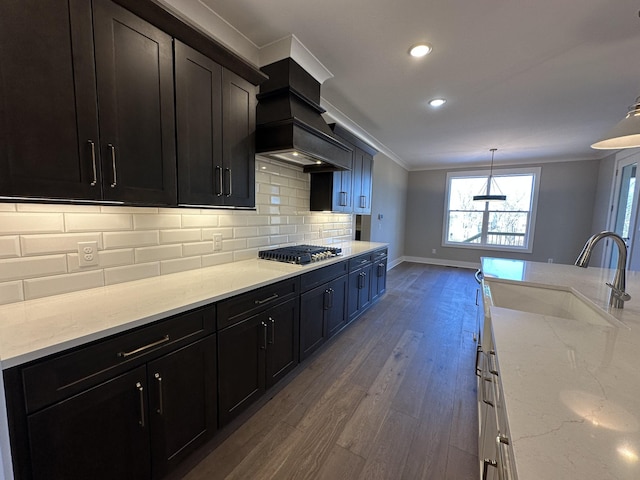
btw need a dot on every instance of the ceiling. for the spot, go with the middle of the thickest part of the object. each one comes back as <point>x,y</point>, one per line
<point>538,80</point>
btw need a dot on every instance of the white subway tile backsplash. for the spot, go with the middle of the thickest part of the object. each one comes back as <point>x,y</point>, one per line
<point>97,222</point>
<point>180,236</point>
<point>130,239</point>
<point>29,267</point>
<point>142,242</point>
<point>130,273</point>
<point>11,292</point>
<point>204,220</point>
<point>10,246</point>
<point>17,223</point>
<point>217,259</point>
<point>106,258</point>
<point>180,265</point>
<point>201,248</point>
<point>157,221</point>
<point>56,243</point>
<point>162,252</point>
<point>47,286</point>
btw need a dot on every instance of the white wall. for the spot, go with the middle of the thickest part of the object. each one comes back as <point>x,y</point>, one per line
<point>38,242</point>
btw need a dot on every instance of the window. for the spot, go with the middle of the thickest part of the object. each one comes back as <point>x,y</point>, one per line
<point>500,225</point>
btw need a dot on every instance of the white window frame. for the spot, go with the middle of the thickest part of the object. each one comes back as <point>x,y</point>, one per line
<point>528,240</point>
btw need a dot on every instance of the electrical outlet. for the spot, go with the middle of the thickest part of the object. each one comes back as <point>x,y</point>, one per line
<point>88,254</point>
<point>433,251</point>
<point>217,242</point>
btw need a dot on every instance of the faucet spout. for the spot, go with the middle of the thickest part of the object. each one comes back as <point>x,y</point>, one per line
<point>618,295</point>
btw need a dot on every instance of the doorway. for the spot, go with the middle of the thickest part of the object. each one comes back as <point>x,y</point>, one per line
<point>624,212</point>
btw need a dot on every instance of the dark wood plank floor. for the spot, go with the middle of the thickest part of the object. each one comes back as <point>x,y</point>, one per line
<point>392,397</point>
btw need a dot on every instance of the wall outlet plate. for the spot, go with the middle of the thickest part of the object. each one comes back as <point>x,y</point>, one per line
<point>217,242</point>
<point>88,254</point>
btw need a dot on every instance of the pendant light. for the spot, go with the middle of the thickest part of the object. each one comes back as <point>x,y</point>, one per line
<point>626,133</point>
<point>490,197</point>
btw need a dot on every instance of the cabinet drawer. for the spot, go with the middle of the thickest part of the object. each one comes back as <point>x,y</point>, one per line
<point>247,304</point>
<point>66,374</point>
<point>322,275</point>
<point>379,255</point>
<point>359,261</point>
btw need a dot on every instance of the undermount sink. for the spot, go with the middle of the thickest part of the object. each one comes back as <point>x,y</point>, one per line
<point>551,302</point>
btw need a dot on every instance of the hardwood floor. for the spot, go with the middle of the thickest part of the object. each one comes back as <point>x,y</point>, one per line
<point>392,397</point>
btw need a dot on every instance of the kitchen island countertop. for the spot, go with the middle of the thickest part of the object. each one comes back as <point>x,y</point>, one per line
<point>571,389</point>
<point>33,329</point>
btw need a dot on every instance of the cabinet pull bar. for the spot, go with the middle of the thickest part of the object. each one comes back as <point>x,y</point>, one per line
<point>230,183</point>
<point>485,467</point>
<point>493,368</point>
<point>331,298</point>
<point>113,165</point>
<point>363,201</point>
<point>141,392</point>
<point>160,399</point>
<point>343,199</point>
<point>478,352</point>
<point>264,339</point>
<point>220,191</point>
<point>146,347</point>
<point>93,163</point>
<point>477,291</point>
<point>268,299</point>
<point>273,331</point>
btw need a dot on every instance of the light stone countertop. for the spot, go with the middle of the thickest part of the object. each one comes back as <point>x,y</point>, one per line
<point>571,388</point>
<point>36,328</point>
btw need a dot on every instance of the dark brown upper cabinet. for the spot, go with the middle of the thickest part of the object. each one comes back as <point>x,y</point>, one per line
<point>49,118</point>
<point>88,104</point>
<point>345,191</point>
<point>134,72</point>
<point>215,129</point>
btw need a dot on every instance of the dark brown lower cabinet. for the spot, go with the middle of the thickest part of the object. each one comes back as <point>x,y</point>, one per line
<point>254,354</point>
<point>101,433</point>
<point>138,425</point>
<point>359,291</point>
<point>323,313</point>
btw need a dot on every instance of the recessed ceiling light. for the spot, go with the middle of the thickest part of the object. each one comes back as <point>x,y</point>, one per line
<point>420,50</point>
<point>437,102</point>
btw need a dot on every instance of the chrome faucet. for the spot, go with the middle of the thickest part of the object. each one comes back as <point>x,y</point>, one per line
<point>618,295</point>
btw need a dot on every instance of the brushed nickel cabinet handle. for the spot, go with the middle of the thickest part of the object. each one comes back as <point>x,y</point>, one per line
<point>478,352</point>
<point>343,199</point>
<point>113,165</point>
<point>93,163</point>
<point>220,175</point>
<point>229,183</point>
<point>363,201</point>
<point>485,467</point>
<point>146,347</point>
<point>273,331</point>
<point>325,299</point>
<point>141,392</point>
<point>268,299</point>
<point>264,340</point>
<point>160,409</point>
<point>330,298</point>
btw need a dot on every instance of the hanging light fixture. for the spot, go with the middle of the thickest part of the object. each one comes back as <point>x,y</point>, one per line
<point>626,133</point>
<point>491,184</point>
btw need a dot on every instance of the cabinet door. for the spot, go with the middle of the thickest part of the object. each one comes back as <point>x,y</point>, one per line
<point>362,181</point>
<point>48,120</point>
<point>101,433</point>
<point>313,332</point>
<point>199,127</point>
<point>336,314</point>
<point>238,143</point>
<point>134,71</point>
<point>359,291</point>
<point>182,403</point>
<point>241,366</point>
<point>283,341</point>
<point>379,280</point>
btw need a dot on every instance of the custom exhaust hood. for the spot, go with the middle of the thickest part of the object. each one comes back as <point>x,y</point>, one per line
<point>289,123</point>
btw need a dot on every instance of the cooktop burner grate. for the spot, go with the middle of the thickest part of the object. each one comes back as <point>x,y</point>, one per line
<point>300,254</point>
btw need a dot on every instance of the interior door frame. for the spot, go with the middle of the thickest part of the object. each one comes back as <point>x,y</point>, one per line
<point>622,159</point>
